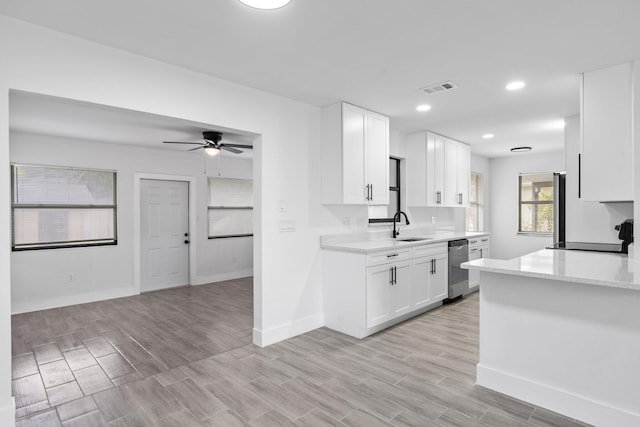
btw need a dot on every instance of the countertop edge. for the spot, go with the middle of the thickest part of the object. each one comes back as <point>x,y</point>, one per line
<point>386,245</point>
<point>506,267</point>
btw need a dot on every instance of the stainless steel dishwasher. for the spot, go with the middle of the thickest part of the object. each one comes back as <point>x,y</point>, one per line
<point>458,277</point>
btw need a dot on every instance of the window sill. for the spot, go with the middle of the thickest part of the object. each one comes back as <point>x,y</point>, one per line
<point>534,234</point>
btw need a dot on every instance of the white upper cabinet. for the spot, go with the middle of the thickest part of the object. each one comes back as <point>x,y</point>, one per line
<point>606,152</point>
<point>355,156</point>
<point>437,171</point>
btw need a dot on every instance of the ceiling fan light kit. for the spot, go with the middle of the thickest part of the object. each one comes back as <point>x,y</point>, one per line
<point>211,144</point>
<point>266,4</point>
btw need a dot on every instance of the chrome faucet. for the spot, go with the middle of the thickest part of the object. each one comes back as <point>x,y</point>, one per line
<point>397,217</point>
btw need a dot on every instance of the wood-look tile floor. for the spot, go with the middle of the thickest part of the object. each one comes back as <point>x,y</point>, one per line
<point>183,357</point>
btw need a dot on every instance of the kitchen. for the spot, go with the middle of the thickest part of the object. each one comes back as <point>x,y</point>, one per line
<point>288,265</point>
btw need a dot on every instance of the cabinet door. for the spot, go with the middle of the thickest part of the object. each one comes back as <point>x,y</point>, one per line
<point>464,169</point>
<point>377,158</point>
<point>439,280</point>
<point>451,173</point>
<point>435,169</point>
<point>420,296</point>
<point>606,160</point>
<point>353,155</point>
<point>401,289</point>
<point>379,294</point>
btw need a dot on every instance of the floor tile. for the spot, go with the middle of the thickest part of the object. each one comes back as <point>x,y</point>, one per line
<point>28,390</point>
<point>56,373</point>
<point>43,419</point>
<point>91,419</point>
<point>92,380</point>
<point>64,393</point>
<point>196,399</point>
<point>79,359</point>
<point>47,353</point>
<point>115,366</point>
<point>76,408</point>
<point>23,366</point>
<point>99,346</point>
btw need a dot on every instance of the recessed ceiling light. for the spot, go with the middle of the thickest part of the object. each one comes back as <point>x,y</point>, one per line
<point>487,136</point>
<point>266,4</point>
<point>520,149</point>
<point>515,85</point>
<point>423,107</point>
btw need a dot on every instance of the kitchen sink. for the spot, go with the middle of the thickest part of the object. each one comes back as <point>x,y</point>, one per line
<point>414,239</point>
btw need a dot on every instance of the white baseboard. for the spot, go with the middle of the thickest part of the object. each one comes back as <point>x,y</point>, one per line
<point>263,338</point>
<point>42,304</point>
<point>561,401</point>
<point>8,413</point>
<point>221,277</point>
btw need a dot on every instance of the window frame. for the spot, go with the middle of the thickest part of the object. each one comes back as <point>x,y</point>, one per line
<point>396,189</point>
<point>66,243</point>
<point>534,203</point>
<point>211,207</point>
<point>478,204</point>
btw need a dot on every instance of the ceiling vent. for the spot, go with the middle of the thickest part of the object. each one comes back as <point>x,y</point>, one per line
<point>440,87</point>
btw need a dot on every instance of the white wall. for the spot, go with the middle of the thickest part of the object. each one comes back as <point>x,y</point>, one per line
<point>482,166</point>
<point>287,296</point>
<point>506,243</point>
<point>39,278</point>
<point>587,221</point>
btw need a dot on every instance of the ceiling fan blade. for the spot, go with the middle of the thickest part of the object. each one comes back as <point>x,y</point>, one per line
<point>233,150</point>
<point>197,148</point>
<point>183,142</point>
<point>237,146</point>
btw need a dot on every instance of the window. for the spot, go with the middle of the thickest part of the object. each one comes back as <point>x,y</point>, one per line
<point>386,213</point>
<point>230,208</point>
<point>58,207</point>
<point>475,210</point>
<point>535,203</point>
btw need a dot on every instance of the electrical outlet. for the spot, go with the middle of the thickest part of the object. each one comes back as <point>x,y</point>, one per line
<point>70,277</point>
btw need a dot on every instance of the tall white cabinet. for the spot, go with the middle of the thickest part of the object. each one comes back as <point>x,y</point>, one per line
<point>437,171</point>
<point>355,156</point>
<point>606,151</point>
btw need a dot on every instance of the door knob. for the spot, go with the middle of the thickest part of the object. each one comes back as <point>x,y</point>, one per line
<point>186,234</point>
<point>186,242</point>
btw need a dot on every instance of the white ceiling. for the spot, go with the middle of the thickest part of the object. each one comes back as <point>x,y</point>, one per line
<point>378,53</point>
<point>86,121</point>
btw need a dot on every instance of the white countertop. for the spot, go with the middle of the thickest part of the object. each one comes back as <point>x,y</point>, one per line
<point>594,268</point>
<point>379,245</point>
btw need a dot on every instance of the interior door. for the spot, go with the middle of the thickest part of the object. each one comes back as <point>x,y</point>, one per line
<point>164,240</point>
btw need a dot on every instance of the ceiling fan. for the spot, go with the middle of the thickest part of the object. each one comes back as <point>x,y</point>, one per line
<point>211,144</point>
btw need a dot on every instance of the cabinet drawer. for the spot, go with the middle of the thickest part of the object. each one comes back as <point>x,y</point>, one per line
<point>388,256</point>
<point>477,241</point>
<point>432,249</point>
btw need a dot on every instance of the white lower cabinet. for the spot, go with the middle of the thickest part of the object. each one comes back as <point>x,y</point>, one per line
<point>388,292</point>
<point>478,248</point>
<point>364,294</point>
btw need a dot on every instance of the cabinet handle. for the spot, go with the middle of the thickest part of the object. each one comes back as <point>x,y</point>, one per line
<point>474,250</point>
<point>434,266</point>
<point>391,276</point>
<point>459,198</point>
<point>368,196</point>
<point>371,189</point>
<point>485,240</point>
<point>473,241</point>
<point>395,275</point>
<point>438,197</point>
<point>579,176</point>
<point>392,255</point>
<point>481,253</point>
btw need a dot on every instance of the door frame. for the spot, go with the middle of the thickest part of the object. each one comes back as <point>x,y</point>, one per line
<point>137,177</point>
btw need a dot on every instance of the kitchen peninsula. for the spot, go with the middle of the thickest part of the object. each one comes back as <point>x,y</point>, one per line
<point>561,329</point>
